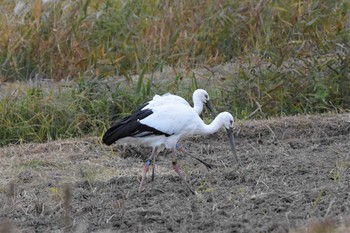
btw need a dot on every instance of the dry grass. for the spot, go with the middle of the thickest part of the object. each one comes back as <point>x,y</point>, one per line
<point>37,163</point>
<point>65,161</point>
<point>60,39</point>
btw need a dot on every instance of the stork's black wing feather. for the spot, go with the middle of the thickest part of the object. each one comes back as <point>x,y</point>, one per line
<point>139,108</point>
<point>130,126</point>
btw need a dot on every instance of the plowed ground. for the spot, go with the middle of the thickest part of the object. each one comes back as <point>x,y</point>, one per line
<point>294,177</point>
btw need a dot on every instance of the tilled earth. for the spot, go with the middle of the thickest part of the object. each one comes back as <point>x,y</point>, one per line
<point>294,177</point>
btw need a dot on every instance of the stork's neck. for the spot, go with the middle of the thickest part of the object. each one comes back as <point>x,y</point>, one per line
<point>213,127</point>
<point>197,105</point>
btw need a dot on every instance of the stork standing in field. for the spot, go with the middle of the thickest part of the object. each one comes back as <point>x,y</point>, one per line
<point>200,99</point>
<point>166,125</point>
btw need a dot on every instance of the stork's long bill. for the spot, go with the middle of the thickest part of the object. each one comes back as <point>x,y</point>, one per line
<point>210,107</point>
<point>233,144</point>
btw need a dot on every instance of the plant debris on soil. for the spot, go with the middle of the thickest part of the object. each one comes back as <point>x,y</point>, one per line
<point>295,177</point>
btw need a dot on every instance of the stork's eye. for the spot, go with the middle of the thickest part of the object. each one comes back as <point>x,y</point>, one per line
<point>231,122</point>
<point>206,96</point>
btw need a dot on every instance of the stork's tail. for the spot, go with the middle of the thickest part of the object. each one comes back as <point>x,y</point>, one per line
<point>110,136</point>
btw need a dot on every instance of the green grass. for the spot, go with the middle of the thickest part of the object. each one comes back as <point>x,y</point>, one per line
<point>291,57</point>
<point>40,114</point>
<point>34,164</point>
<point>86,107</point>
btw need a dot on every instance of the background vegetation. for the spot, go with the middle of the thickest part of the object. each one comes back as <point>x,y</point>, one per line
<point>289,57</point>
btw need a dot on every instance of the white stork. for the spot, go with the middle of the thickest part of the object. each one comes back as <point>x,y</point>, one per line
<point>166,125</point>
<point>200,99</point>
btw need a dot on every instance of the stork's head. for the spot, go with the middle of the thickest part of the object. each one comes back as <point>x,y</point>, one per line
<point>227,120</point>
<point>201,96</point>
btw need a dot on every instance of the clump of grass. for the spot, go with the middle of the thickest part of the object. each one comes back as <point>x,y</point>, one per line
<point>88,174</point>
<point>34,164</point>
<point>337,173</point>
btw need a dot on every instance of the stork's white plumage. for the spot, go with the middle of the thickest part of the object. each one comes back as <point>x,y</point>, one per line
<point>165,125</point>
<point>200,99</point>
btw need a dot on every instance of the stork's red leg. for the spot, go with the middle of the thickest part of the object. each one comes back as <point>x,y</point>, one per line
<point>177,170</point>
<point>154,162</point>
<point>146,167</point>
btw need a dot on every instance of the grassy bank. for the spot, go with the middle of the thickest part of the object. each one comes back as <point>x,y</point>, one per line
<point>256,59</point>
<point>86,106</point>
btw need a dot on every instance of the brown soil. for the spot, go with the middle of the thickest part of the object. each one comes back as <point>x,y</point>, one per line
<point>295,176</point>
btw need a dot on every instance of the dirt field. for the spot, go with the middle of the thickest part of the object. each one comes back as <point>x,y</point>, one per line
<point>294,177</point>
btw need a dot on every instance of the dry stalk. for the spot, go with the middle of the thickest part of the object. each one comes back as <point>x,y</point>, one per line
<point>67,199</point>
